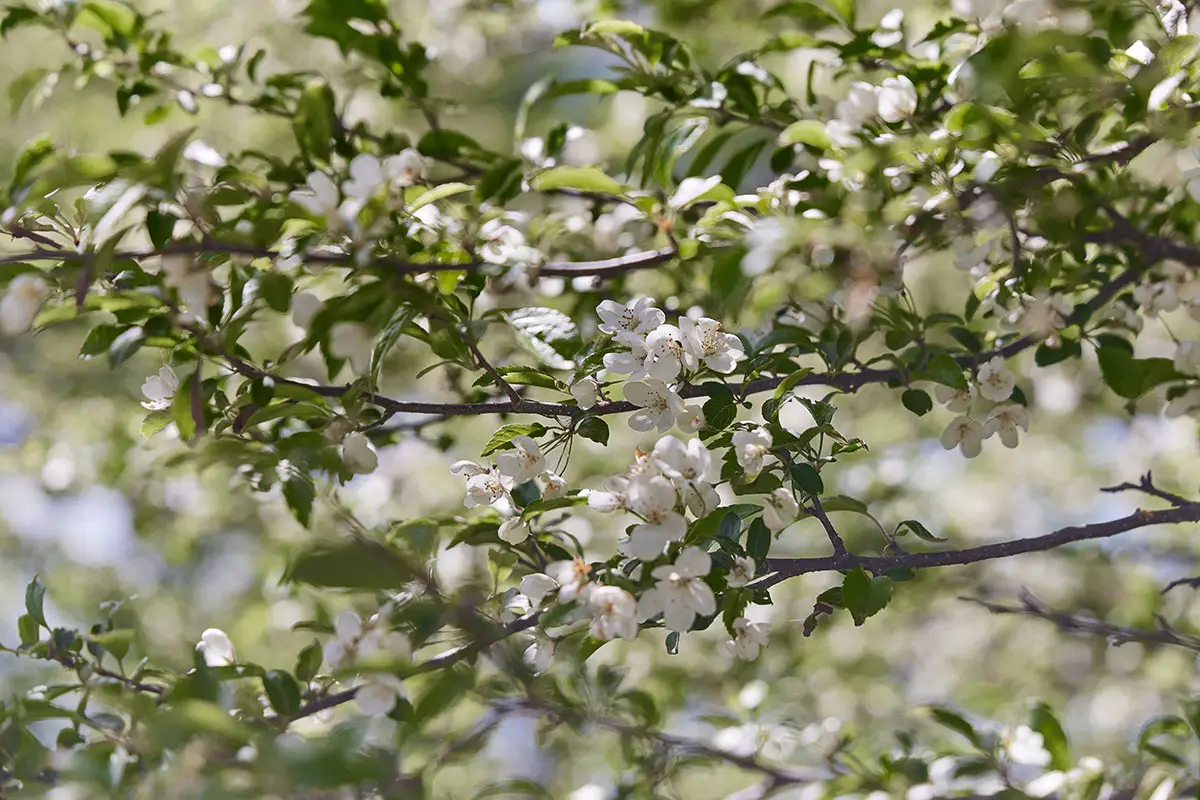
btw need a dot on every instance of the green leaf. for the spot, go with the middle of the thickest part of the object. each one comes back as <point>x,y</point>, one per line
<point>1054,738</point>
<point>955,722</point>
<point>502,439</point>
<point>808,132</point>
<point>308,662</point>
<point>282,692</point>
<point>35,595</point>
<point>673,643</point>
<point>730,527</point>
<point>181,410</point>
<point>21,87</point>
<point>155,421</point>
<point>918,530</point>
<point>585,179</point>
<point>840,502</point>
<point>943,369</point>
<point>790,382</point>
<point>1132,377</point>
<point>758,541</point>
<point>917,401</point>
<point>315,121</point>
<point>353,563</point>
<point>720,411</point>
<point>125,345</point>
<point>593,428</point>
<point>28,630</point>
<point>276,289</point>
<point>864,596</point>
<point>116,641</point>
<point>440,192</point>
<point>549,334</point>
<point>451,686</point>
<point>298,493</point>
<point>806,477</point>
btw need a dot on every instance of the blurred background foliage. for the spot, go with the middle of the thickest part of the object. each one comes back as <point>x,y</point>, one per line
<point>105,515</point>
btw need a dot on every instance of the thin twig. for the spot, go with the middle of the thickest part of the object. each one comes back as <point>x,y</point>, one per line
<point>1146,486</point>
<point>496,377</point>
<point>818,511</point>
<point>1074,623</point>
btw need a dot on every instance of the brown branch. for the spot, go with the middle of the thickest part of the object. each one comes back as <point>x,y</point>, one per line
<point>496,377</point>
<point>1146,486</point>
<point>1073,623</point>
<point>818,511</point>
<point>783,568</point>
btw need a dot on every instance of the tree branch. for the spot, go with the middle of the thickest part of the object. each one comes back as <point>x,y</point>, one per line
<point>1073,623</point>
<point>1146,486</point>
<point>818,511</point>
<point>783,568</point>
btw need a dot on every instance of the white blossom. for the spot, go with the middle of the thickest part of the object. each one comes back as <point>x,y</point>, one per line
<point>513,530</point>
<point>586,392</point>
<point>539,656</point>
<point>193,284</point>
<point>523,463</point>
<point>897,99</point>
<point>321,198</point>
<point>964,433</point>
<point>748,638</point>
<point>568,580</point>
<point>553,486</point>
<point>352,341</point>
<point>706,343</point>
<point>680,593</point>
<point>1186,403</point>
<point>780,509</point>
<point>768,239</point>
<point>503,244</point>
<point>1155,298</point>
<point>614,613</point>
<point>358,455</point>
<point>654,500</point>
<point>21,303</point>
<point>484,487</point>
<point>995,381</point>
<point>631,363</point>
<point>406,168</point>
<point>637,317</point>
<point>741,573</point>
<point>340,650</point>
<point>1187,358</point>
<point>1005,421</point>
<point>514,604</point>
<point>690,419</point>
<point>159,389</point>
<point>305,306</point>
<point>750,447</point>
<point>216,648</point>
<point>664,352</point>
<point>688,466</point>
<point>1025,746</point>
<point>614,498</point>
<point>956,400</point>
<point>860,105</point>
<point>378,694</point>
<point>658,403</point>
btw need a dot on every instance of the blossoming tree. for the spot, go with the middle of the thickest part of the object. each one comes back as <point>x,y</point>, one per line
<point>762,254</point>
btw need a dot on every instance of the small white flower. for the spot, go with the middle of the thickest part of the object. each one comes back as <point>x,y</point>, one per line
<point>377,696</point>
<point>691,419</point>
<point>1026,746</point>
<point>524,462</point>
<point>567,579</point>
<point>160,389</point>
<point>1187,358</point>
<point>358,455</point>
<point>664,352</point>
<point>614,498</point>
<point>485,489</point>
<point>1005,421</point>
<point>965,433</point>
<point>632,363</point>
<point>347,629</point>
<point>614,613</point>
<point>1186,403</point>
<point>305,306</point>
<point>216,648</point>
<point>659,405</point>
<point>705,342</point>
<point>514,604</point>
<point>677,460</point>
<point>1155,298</point>
<point>986,167</point>
<point>406,168</point>
<point>897,99</point>
<point>748,638</point>
<point>680,593</point>
<point>352,341</point>
<point>553,486</point>
<point>366,176</point>
<point>21,303</point>
<point>654,500</point>
<point>539,656</point>
<point>193,285</point>
<point>503,244</point>
<point>860,105</point>
<point>741,573</point>
<point>780,509</point>
<point>750,447</point>
<point>513,530</point>
<point>995,381</point>
<point>321,199</point>
<point>638,317</point>
<point>769,239</point>
<point>468,468</point>
<point>1140,53</point>
<point>586,392</point>
<point>955,400</point>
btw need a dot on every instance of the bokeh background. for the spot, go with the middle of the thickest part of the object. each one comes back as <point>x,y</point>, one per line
<point>104,515</point>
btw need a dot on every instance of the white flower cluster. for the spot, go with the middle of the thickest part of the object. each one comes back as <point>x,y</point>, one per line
<point>995,383</point>
<point>657,357</point>
<point>893,101</point>
<point>369,176</point>
<point>492,485</point>
<point>355,641</point>
<point>20,304</point>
